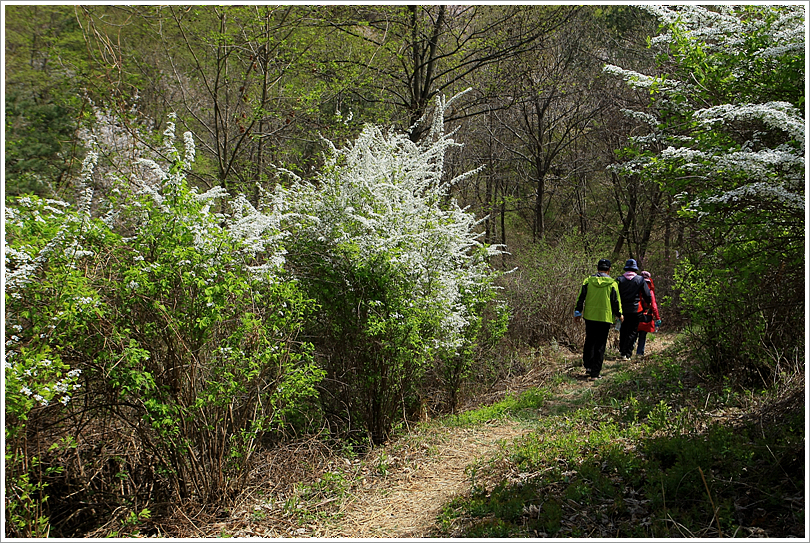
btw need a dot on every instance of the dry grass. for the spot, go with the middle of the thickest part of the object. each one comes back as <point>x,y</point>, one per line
<point>275,477</point>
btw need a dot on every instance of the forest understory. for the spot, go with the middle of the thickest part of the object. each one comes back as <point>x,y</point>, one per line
<point>474,475</point>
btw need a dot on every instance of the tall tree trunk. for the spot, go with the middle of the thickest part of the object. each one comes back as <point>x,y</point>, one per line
<point>628,220</point>
<point>538,210</point>
<point>502,201</point>
<point>581,205</point>
<point>668,229</point>
<point>539,225</point>
<point>423,56</point>
<point>264,59</point>
<point>220,132</point>
<point>489,198</point>
<point>654,211</point>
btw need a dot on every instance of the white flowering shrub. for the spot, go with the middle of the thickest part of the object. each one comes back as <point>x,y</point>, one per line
<point>174,310</point>
<point>726,136</point>
<point>35,375</point>
<point>395,266</point>
<point>47,300</point>
<point>215,349</point>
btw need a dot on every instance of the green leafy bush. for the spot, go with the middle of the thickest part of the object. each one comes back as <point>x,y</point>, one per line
<point>179,318</point>
<point>214,361</point>
<point>744,325</point>
<point>47,300</point>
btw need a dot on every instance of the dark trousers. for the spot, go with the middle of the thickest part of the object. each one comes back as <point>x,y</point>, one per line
<point>642,341</point>
<point>596,334</point>
<point>628,334</point>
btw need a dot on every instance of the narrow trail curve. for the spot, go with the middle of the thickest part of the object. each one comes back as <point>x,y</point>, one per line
<point>408,503</point>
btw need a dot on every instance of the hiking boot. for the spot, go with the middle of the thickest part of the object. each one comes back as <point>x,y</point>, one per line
<point>595,377</point>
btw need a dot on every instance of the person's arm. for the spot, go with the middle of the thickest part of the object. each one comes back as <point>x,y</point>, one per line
<point>655,313</point>
<point>646,293</point>
<point>581,300</point>
<point>616,302</point>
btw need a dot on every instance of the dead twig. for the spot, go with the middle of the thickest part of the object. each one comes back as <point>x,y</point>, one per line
<point>714,507</point>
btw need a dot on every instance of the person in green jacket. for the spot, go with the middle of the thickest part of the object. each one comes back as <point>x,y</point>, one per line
<point>599,304</point>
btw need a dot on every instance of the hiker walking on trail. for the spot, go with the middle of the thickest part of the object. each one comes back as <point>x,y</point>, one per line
<point>633,290</point>
<point>649,318</point>
<point>599,305</point>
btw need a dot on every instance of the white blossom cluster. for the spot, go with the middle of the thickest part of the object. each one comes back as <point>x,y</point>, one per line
<point>758,166</point>
<point>384,195</point>
<point>39,379</point>
<point>646,82</point>
<point>255,234</point>
<point>776,115</point>
<point>121,149</point>
<point>258,232</point>
<point>760,193</point>
<point>62,389</point>
<point>725,28</point>
<point>22,264</point>
<point>772,174</point>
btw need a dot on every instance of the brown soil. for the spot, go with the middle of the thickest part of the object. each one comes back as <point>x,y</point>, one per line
<point>407,503</point>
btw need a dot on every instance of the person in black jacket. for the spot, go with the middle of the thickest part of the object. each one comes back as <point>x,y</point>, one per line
<point>632,291</point>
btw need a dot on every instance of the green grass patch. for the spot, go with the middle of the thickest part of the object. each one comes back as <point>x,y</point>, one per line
<point>517,406</point>
<point>650,453</point>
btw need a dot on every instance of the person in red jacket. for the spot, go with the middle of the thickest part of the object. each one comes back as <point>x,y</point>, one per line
<point>652,311</point>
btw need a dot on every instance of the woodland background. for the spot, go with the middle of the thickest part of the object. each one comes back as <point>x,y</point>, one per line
<point>146,361</point>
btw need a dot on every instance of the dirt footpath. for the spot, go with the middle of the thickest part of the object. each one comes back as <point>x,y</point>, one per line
<point>407,502</point>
